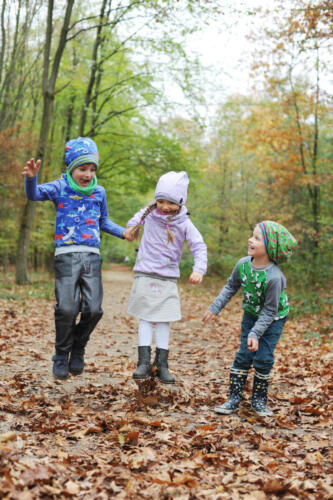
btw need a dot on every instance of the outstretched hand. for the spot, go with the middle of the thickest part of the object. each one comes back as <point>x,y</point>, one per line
<point>195,278</point>
<point>31,168</point>
<point>208,316</point>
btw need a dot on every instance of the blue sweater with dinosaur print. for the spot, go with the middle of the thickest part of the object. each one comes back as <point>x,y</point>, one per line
<point>80,218</point>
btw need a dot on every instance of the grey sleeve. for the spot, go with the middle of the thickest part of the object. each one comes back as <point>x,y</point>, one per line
<point>231,287</point>
<point>268,313</point>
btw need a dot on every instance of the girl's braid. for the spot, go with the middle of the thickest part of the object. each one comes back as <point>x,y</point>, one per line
<point>171,236</point>
<point>135,230</point>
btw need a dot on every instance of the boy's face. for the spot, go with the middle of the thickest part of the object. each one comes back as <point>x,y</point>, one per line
<point>256,245</point>
<point>83,174</point>
<point>166,207</point>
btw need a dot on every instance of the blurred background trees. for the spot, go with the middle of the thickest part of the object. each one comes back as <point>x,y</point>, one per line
<point>104,68</point>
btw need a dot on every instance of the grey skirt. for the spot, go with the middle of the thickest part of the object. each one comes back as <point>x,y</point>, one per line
<point>154,299</point>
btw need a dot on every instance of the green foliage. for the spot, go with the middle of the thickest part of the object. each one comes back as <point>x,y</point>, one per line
<point>244,169</point>
<point>40,286</point>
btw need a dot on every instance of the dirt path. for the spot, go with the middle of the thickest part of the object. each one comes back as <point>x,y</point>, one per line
<point>97,436</point>
<point>112,350</point>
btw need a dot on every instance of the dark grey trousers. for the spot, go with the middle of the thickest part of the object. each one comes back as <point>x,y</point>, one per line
<point>78,288</point>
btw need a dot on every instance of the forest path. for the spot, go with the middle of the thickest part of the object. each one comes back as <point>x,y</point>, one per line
<point>111,353</point>
<point>97,436</point>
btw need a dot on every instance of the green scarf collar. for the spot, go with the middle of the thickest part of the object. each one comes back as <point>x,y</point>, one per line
<point>82,190</point>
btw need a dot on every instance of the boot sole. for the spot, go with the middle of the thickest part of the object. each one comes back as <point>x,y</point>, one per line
<point>224,411</point>
<point>263,414</point>
<point>141,378</point>
<point>74,372</point>
<point>60,378</point>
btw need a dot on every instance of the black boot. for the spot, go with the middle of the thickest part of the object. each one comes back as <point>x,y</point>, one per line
<point>259,394</point>
<point>237,383</point>
<point>76,361</point>
<point>161,363</point>
<point>143,367</point>
<point>60,365</point>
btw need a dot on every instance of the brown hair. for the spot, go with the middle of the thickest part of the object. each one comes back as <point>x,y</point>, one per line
<point>135,230</point>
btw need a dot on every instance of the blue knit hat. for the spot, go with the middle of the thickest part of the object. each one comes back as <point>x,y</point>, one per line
<point>79,151</point>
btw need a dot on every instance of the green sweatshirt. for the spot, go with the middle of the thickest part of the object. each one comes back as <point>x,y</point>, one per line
<point>264,296</point>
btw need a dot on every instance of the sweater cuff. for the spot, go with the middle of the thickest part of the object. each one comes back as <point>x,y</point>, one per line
<point>213,309</point>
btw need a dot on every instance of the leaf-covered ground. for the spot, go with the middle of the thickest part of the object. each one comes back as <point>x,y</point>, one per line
<point>100,436</point>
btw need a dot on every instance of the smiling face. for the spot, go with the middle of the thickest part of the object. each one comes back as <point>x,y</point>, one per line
<point>166,207</point>
<point>256,247</point>
<point>83,174</point>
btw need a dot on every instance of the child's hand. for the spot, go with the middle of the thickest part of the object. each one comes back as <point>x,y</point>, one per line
<point>128,235</point>
<point>195,278</point>
<point>208,316</point>
<point>31,168</point>
<point>252,344</point>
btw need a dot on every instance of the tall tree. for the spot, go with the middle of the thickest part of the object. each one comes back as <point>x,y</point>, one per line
<point>50,73</point>
<point>299,39</point>
<point>110,90</point>
<point>15,69</point>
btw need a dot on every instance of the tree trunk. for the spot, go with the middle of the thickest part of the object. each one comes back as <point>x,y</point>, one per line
<point>23,243</point>
<point>3,39</point>
<point>316,188</point>
<point>10,76</point>
<point>49,82</point>
<point>94,67</point>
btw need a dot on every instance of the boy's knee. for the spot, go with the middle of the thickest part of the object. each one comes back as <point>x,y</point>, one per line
<point>242,361</point>
<point>263,366</point>
<point>65,313</point>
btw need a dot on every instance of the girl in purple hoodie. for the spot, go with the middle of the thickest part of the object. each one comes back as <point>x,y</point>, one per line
<point>154,296</point>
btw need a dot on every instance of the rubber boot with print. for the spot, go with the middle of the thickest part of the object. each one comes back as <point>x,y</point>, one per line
<point>260,394</point>
<point>237,383</point>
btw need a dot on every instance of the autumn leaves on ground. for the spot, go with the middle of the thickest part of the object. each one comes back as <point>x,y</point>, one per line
<point>99,436</point>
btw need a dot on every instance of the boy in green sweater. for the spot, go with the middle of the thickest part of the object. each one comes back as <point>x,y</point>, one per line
<point>266,308</point>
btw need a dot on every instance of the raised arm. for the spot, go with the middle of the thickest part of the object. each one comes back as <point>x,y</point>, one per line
<point>34,191</point>
<point>31,168</point>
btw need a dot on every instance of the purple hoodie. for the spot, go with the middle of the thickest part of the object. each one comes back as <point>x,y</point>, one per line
<point>156,255</point>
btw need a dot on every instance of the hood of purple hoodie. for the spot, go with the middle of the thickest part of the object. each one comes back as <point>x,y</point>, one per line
<point>172,186</point>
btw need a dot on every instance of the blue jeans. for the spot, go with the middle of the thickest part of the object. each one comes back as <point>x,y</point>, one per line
<point>78,288</point>
<point>263,358</point>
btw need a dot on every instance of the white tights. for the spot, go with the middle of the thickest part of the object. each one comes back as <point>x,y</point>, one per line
<point>161,334</point>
